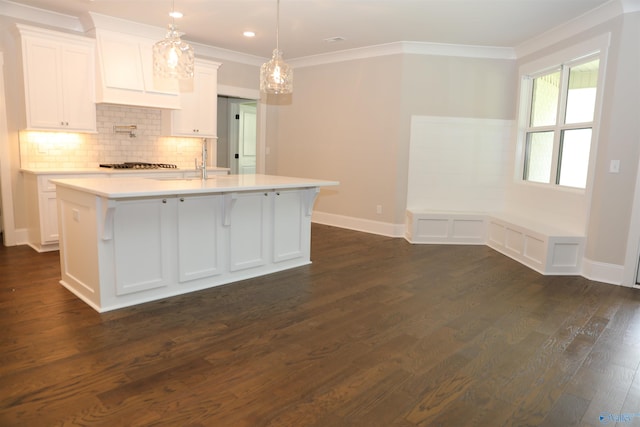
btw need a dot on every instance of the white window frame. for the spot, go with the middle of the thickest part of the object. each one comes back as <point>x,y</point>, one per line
<point>561,60</point>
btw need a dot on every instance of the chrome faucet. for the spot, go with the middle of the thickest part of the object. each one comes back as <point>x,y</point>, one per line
<point>203,165</point>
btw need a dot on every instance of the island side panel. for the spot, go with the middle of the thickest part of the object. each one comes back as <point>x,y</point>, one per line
<point>79,261</point>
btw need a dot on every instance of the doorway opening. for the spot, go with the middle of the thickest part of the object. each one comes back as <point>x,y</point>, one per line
<point>237,134</point>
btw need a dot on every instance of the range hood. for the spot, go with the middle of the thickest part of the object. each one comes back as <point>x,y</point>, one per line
<point>124,69</point>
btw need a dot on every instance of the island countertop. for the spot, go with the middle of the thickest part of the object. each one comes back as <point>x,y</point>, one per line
<point>135,187</point>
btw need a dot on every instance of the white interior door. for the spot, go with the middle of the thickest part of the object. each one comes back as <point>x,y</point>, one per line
<point>242,136</point>
<point>247,139</point>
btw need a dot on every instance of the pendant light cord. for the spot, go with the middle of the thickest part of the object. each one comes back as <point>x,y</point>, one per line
<point>278,26</point>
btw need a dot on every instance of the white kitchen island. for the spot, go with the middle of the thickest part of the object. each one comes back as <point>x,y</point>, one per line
<point>133,240</point>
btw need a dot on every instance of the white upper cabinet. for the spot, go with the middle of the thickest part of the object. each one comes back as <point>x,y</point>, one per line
<point>199,101</point>
<point>59,80</point>
<point>125,73</point>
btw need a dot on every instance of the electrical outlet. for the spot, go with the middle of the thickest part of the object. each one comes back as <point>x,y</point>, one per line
<point>379,209</point>
<point>614,166</point>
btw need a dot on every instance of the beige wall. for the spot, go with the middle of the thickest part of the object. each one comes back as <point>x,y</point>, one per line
<point>350,121</point>
<point>343,123</point>
<point>612,199</point>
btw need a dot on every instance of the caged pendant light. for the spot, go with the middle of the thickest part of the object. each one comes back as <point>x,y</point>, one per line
<point>276,76</point>
<point>172,57</point>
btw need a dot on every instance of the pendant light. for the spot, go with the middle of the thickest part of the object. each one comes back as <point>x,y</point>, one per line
<point>276,76</point>
<point>172,57</point>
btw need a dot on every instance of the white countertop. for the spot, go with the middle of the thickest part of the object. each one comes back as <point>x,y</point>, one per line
<point>148,187</point>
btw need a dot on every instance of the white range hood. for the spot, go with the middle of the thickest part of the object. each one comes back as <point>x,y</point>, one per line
<point>124,64</point>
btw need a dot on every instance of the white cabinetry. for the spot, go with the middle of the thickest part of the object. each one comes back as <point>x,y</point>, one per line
<point>248,231</point>
<point>125,73</point>
<point>59,80</point>
<point>200,237</point>
<point>142,231</point>
<point>291,221</point>
<point>42,213</point>
<point>269,227</point>
<point>198,102</point>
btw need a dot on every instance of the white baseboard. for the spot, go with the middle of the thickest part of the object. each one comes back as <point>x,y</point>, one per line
<point>359,224</point>
<point>603,272</point>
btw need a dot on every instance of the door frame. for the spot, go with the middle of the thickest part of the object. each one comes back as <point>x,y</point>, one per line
<point>261,119</point>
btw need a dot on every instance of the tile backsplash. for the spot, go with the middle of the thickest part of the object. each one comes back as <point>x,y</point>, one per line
<point>46,150</point>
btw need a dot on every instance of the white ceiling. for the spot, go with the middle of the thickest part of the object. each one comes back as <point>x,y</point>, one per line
<point>305,24</point>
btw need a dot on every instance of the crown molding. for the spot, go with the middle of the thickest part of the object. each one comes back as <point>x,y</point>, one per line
<point>347,55</point>
<point>590,19</point>
<point>399,48</point>
<point>466,51</point>
<point>97,21</point>
<point>203,50</point>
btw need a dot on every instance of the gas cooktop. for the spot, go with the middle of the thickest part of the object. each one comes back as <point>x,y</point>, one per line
<point>138,165</point>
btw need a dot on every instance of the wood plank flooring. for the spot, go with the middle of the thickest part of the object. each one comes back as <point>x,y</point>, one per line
<point>376,332</point>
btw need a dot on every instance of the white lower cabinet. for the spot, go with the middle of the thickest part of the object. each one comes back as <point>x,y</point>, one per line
<point>248,231</point>
<point>144,244</point>
<point>200,237</point>
<point>290,225</point>
<point>268,227</point>
<point>42,210</point>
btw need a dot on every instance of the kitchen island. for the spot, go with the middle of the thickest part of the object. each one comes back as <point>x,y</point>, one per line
<point>133,240</point>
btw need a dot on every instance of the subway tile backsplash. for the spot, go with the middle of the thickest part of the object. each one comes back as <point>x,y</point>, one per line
<point>45,150</point>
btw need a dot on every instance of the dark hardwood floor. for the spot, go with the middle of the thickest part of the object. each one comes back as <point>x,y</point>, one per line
<point>376,332</point>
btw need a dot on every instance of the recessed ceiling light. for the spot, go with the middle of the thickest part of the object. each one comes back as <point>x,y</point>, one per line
<point>175,14</point>
<point>249,34</point>
<point>334,39</point>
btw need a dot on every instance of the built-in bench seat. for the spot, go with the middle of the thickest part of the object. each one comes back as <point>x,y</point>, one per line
<point>542,247</point>
<point>446,227</point>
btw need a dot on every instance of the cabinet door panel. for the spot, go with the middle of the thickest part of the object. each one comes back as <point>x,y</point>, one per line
<point>44,92</point>
<point>199,228</point>
<point>248,233</point>
<point>142,243</point>
<point>49,218</point>
<point>79,91</point>
<point>197,115</point>
<point>288,225</point>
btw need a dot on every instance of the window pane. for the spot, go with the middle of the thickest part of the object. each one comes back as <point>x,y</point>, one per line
<point>581,97</point>
<point>539,153</point>
<point>544,103</point>
<point>574,160</point>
